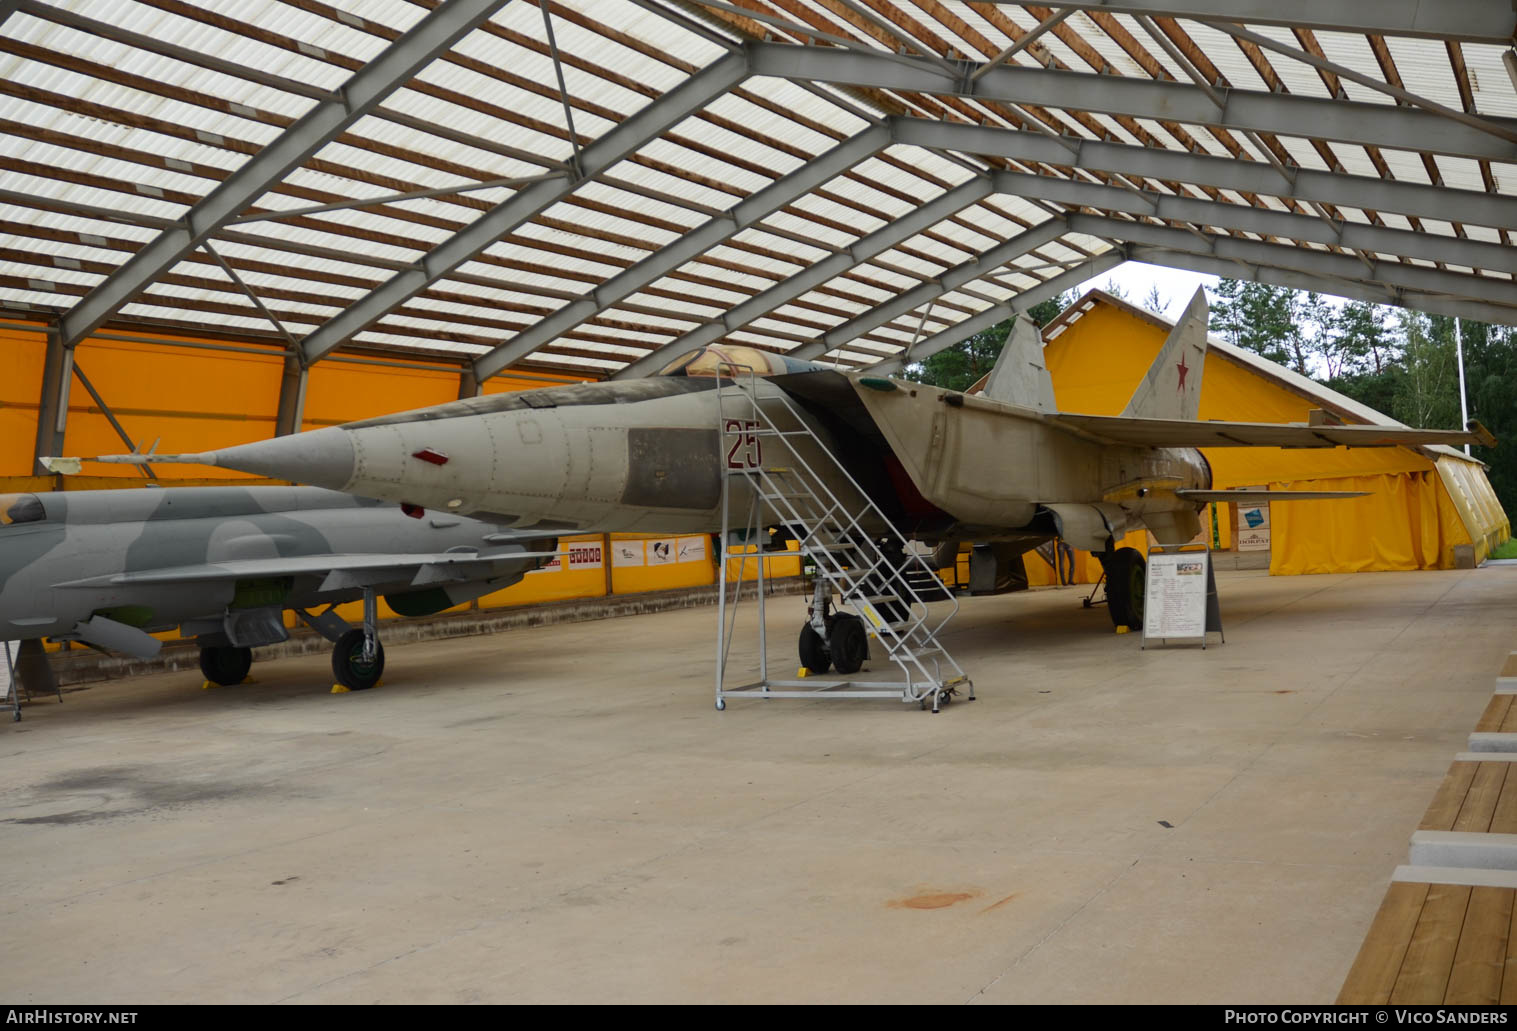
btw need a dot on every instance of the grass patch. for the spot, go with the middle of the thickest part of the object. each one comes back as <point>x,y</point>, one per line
<point>1508,549</point>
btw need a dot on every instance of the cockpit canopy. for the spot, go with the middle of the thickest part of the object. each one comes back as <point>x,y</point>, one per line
<point>21,508</point>
<point>729,360</point>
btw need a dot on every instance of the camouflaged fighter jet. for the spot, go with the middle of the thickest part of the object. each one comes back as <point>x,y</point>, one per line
<point>223,563</point>
<point>1004,466</point>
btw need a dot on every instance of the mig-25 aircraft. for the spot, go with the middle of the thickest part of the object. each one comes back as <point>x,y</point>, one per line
<point>1004,466</point>
<point>223,563</point>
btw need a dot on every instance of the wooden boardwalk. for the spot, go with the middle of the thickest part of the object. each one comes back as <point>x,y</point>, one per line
<point>1445,933</point>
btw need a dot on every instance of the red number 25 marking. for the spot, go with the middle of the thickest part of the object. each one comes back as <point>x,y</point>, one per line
<point>746,451</point>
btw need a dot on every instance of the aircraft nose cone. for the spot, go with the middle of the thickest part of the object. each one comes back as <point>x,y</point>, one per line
<point>321,458</point>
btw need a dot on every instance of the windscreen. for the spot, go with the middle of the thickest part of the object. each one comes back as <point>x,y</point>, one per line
<point>727,360</point>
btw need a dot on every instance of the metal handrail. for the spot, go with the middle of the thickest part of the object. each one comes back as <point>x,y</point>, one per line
<point>906,640</point>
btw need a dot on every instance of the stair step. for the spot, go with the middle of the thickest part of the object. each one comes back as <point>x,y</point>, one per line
<point>917,653</point>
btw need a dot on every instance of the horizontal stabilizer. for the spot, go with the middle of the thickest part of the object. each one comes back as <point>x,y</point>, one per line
<point>1184,433</point>
<point>1260,497</point>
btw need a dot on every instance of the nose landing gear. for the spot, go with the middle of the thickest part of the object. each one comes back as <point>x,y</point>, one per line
<point>358,659</point>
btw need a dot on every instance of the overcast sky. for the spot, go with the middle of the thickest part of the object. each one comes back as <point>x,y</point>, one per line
<point>1175,286</point>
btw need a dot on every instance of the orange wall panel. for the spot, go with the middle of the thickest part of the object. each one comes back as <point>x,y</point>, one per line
<point>185,398</point>
<point>22,355</point>
<point>338,392</point>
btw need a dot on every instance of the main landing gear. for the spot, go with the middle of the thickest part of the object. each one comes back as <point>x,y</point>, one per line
<point>840,643</point>
<point>225,664</point>
<point>358,658</point>
<point>1126,585</point>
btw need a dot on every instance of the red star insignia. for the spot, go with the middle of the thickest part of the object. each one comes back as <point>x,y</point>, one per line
<point>1183,370</point>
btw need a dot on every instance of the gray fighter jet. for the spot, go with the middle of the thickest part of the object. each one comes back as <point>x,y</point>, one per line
<point>1003,466</point>
<point>223,563</point>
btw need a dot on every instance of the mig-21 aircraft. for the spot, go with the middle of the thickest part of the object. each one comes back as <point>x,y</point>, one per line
<point>109,567</point>
<point>1003,466</point>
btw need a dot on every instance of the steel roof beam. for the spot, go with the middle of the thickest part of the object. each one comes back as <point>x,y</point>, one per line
<point>1434,304</point>
<point>925,294</point>
<point>1358,191</point>
<point>1371,125</point>
<point>689,247</point>
<point>1322,264</point>
<point>1474,21</point>
<point>1263,221</point>
<point>398,64</point>
<point>819,274</point>
<point>1017,305</point>
<point>619,143</point>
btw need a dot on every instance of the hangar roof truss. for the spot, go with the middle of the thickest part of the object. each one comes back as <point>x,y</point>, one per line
<point>596,186</point>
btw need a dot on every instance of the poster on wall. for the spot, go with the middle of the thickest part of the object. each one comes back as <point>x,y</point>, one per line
<point>1253,528</point>
<point>691,549</point>
<point>582,555</point>
<point>585,555</point>
<point>626,553</point>
<point>663,551</point>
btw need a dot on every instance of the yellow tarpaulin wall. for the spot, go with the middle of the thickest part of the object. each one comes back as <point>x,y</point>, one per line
<point>1420,511</point>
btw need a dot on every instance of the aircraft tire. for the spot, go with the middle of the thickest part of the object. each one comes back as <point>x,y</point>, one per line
<point>226,665</point>
<point>848,644</point>
<point>1126,584</point>
<point>813,650</point>
<point>348,665</point>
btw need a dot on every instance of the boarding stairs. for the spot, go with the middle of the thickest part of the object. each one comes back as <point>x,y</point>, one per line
<point>864,568</point>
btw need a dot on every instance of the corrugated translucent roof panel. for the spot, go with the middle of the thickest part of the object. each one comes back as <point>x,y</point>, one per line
<point>120,116</point>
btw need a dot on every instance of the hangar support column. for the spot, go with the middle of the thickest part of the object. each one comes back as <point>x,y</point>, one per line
<point>52,407</point>
<point>292,395</point>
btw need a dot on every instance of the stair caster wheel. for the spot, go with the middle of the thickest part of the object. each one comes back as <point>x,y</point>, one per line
<point>721,705</point>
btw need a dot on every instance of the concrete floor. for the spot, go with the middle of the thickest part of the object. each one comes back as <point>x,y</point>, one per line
<point>559,814</point>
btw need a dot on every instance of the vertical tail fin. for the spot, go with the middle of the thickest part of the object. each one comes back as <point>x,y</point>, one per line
<point>1172,387</point>
<point>1019,376</point>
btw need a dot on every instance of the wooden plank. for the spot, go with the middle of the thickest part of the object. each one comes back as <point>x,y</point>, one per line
<point>1505,819</point>
<point>1480,803</point>
<point>1424,975</point>
<point>1373,974</point>
<point>1509,974</point>
<point>1495,713</point>
<point>1509,722</point>
<point>1509,667</point>
<point>1481,958</point>
<point>1450,798</point>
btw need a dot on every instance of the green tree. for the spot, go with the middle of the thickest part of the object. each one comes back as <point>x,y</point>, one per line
<point>1428,393</point>
<point>1260,318</point>
<point>1490,375</point>
<point>1363,339</point>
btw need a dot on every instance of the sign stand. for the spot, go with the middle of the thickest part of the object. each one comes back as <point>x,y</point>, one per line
<point>11,694</point>
<point>1180,600</point>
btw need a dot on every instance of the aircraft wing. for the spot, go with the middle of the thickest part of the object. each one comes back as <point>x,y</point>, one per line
<point>1183,433</point>
<point>312,565</point>
<point>1259,497</point>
